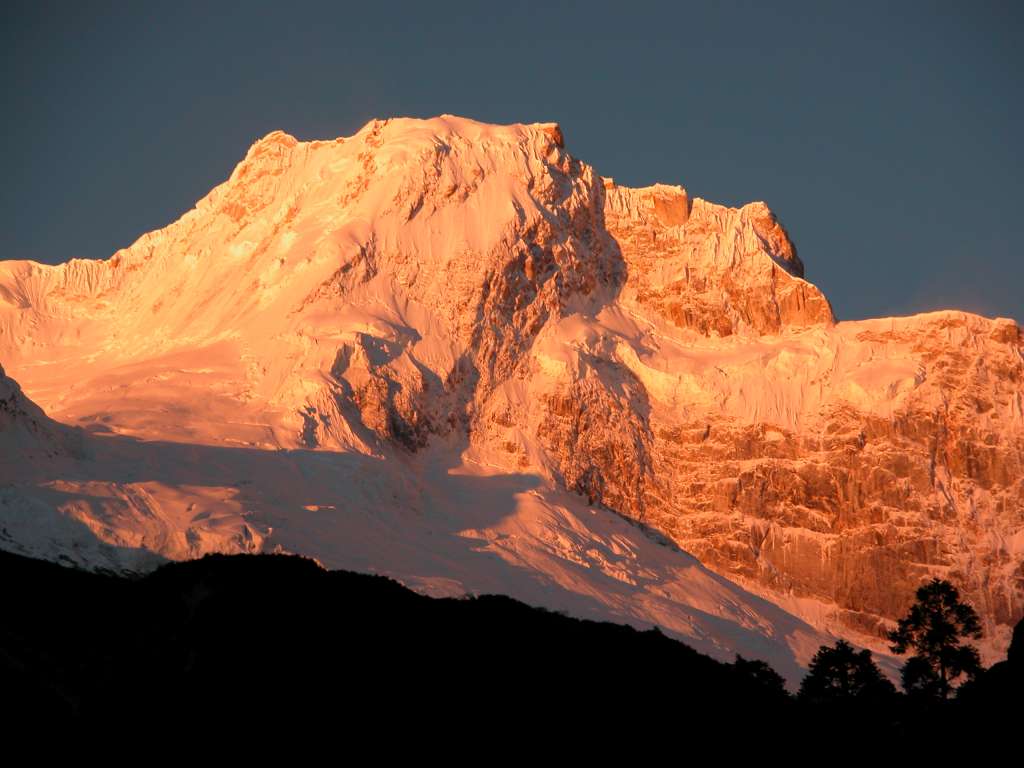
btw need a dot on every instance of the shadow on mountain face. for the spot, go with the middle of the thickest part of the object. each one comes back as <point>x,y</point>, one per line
<point>35,522</point>
<point>419,519</point>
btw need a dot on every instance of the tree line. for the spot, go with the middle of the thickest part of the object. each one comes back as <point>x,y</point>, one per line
<point>935,633</point>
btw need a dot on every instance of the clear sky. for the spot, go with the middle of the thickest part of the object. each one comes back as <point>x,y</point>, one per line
<point>886,136</point>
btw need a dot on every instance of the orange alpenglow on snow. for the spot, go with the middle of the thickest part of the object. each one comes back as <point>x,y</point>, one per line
<point>453,353</point>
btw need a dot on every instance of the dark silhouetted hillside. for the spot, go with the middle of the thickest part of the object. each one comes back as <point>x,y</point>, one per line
<point>271,643</point>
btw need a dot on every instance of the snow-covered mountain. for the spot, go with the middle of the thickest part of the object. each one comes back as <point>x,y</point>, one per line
<point>437,520</point>
<point>451,352</point>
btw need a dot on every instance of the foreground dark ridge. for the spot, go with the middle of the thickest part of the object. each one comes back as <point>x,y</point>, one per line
<point>243,639</point>
<point>231,635</point>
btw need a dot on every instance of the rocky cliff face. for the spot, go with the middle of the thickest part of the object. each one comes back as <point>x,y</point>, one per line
<point>447,282</point>
<point>839,462</point>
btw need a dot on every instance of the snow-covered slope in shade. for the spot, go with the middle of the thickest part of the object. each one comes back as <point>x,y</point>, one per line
<point>355,316</point>
<point>435,522</point>
<point>69,496</point>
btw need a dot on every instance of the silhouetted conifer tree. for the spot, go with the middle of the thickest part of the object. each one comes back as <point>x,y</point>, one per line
<point>933,629</point>
<point>839,672</point>
<point>762,673</point>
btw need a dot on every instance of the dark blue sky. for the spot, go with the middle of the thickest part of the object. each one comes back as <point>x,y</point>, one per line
<point>887,139</point>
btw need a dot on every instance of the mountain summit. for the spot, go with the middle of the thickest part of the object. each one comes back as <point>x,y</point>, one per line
<point>451,352</point>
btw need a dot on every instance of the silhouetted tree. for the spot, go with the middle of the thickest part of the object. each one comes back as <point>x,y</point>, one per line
<point>933,629</point>
<point>998,693</point>
<point>840,673</point>
<point>760,672</point>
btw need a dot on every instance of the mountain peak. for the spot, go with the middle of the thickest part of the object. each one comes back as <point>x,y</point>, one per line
<point>455,300</point>
<point>274,141</point>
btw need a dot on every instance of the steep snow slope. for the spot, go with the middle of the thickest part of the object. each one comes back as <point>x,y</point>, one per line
<point>438,299</point>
